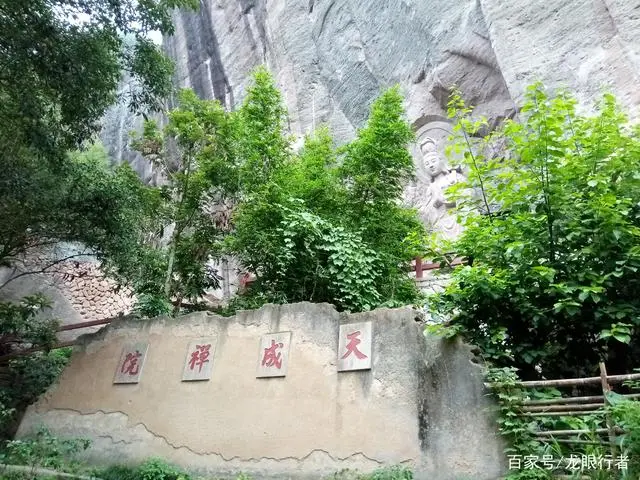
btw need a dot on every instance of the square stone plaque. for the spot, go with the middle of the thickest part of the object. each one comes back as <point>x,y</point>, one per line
<point>199,361</point>
<point>131,362</point>
<point>354,347</point>
<point>273,357</point>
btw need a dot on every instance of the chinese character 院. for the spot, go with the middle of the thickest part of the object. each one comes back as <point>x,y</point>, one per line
<point>130,364</point>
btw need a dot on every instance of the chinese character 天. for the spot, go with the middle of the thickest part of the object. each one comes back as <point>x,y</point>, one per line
<point>352,346</point>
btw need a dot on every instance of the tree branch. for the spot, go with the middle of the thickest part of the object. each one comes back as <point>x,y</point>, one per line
<point>42,270</point>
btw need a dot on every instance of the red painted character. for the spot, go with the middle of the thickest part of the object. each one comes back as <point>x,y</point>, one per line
<point>352,346</point>
<point>270,357</point>
<point>130,364</point>
<point>199,357</point>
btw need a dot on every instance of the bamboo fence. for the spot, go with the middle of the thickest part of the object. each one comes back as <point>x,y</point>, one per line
<point>576,406</point>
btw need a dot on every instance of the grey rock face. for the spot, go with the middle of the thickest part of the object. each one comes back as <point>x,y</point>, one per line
<point>117,124</point>
<point>331,58</point>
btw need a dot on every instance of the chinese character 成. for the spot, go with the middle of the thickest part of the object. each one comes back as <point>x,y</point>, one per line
<point>352,346</point>
<point>130,364</point>
<point>199,357</point>
<point>270,357</point>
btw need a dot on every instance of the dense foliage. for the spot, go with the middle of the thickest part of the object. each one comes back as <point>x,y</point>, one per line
<point>81,200</point>
<point>195,153</point>
<point>551,211</point>
<point>322,225</point>
<point>328,226</point>
<point>599,459</point>
<point>60,63</point>
<point>24,379</point>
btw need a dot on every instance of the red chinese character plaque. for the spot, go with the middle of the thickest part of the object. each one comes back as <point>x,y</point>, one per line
<point>129,369</point>
<point>199,361</point>
<point>273,357</point>
<point>354,347</point>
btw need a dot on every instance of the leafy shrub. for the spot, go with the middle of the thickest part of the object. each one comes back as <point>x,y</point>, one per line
<point>116,472</point>
<point>45,450</point>
<point>158,469</point>
<point>327,225</point>
<point>551,215</point>
<point>388,473</point>
<point>29,377</point>
<point>152,469</point>
<point>151,306</point>
<point>391,473</point>
<point>626,414</point>
<point>20,323</point>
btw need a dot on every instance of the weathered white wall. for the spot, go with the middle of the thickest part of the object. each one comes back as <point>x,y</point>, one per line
<point>421,404</point>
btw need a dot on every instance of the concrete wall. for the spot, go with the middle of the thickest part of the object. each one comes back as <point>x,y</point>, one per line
<point>422,403</point>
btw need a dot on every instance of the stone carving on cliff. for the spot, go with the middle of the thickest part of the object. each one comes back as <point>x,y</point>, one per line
<point>332,58</point>
<point>434,175</point>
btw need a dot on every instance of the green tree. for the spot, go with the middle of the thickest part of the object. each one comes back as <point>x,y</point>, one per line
<point>60,63</point>
<point>81,200</point>
<point>376,167</point>
<point>264,145</point>
<point>551,237</point>
<point>326,225</point>
<point>196,155</point>
<point>305,224</point>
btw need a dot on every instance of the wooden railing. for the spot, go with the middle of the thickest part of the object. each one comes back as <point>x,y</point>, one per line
<point>576,406</point>
<point>420,267</point>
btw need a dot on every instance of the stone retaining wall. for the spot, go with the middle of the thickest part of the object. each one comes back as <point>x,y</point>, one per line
<point>421,403</point>
<point>92,295</point>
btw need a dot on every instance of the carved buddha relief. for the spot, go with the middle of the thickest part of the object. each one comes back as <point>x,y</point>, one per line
<point>434,163</point>
<point>434,176</point>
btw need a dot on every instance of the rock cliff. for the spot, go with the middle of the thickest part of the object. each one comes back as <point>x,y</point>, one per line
<point>331,58</point>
